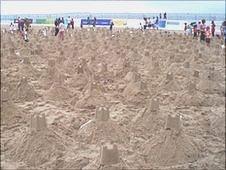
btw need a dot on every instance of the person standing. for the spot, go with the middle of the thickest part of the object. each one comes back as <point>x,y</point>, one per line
<point>165,16</point>
<point>94,21</point>
<point>198,28</point>
<point>157,23</point>
<point>61,31</point>
<point>195,31</point>
<point>185,28</point>
<point>72,23</point>
<point>111,25</point>
<point>56,26</point>
<point>208,35</point>
<point>213,28</point>
<point>202,31</point>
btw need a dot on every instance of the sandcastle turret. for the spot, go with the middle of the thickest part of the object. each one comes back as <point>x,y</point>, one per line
<point>154,107</point>
<point>192,87</point>
<point>51,63</point>
<point>196,74</point>
<point>187,65</point>
<point>173,123</point>
<point>80,69</point>
<point>169,77</point>
<point>109,154</point>
<point>102,114</point>
<point>26,60</point>
<point>38,122</point>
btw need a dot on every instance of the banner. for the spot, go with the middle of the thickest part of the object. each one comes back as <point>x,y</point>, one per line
<point>173,23</point>
<point>119,23</point>
<point>162,23</point>
<point>98,22</point>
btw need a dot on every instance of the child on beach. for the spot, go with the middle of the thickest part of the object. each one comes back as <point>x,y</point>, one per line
<point>61,31</point>
<point>208,35</point>
<point>25,35</point>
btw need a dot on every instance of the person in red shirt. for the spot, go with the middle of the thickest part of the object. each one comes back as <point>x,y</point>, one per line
<point>208,35</point>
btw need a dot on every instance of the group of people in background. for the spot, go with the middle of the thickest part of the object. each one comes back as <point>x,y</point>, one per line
<point>201,30</point>
<point>152,23</point>
<point>22,27</point>
<point>61,24</point>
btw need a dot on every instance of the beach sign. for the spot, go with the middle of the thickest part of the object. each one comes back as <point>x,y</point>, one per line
<point>103,22</point>
<point>119,22</point>
<point>162,23</point>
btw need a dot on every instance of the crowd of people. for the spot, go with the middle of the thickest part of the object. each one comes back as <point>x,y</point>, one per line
<point>23,26</point>
<point>152,23</point>
<point>198,30</point>
<point>202,31</point>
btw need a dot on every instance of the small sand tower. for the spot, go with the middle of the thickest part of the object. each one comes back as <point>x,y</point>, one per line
<point>196,74</point>
<point>109,154</point>
<point>80,69</point>
<point>51,63</point>
<point>211,74</point>
<point>154,107</point>
<point>102,114</point>
<point>173,123</point>
<point>38,123</point>
<point>26,60</point>
<point>169,77</point>
<point>187,65</point>
<point>192,87</point>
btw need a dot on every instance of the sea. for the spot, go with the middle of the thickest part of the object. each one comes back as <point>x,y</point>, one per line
<point>175,21</point>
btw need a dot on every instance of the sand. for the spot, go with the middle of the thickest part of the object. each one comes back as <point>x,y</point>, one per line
<point>120,100</point>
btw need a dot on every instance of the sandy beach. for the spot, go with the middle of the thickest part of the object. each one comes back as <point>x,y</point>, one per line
<point>122,100</point>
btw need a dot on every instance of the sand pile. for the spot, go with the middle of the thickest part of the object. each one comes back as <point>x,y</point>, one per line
<point>92,96</point>
<point>11,113</point>
<point>171,147</point>
<point>38,145</point>
<point>27,69</point>
<point>24,91</point>
<point>102,129</point>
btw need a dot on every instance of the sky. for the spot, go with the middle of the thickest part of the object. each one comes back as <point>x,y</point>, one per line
<point>48,7</point>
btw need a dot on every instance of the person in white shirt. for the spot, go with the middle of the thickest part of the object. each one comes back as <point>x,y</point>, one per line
<point>11,28</point>
<point>198,28</point>
<point>61,31</point>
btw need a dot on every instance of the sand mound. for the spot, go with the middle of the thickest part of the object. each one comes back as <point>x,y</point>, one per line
<point>57,92</point>
<point>10,113</point>
<point>93,97</point>
<point>24,91</point>
<point>102,129</point>
<point>39,145</point>
<point>171,147</point>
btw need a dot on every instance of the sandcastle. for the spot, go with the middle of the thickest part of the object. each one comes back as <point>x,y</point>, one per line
<point>26,60</point>
<point>191,87</point>
<point>173,123</point>
<point>196,74</point>
<point>102,114</point>
<point>38,122</point>
<point>154,107</point>
<point>109,154</point>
